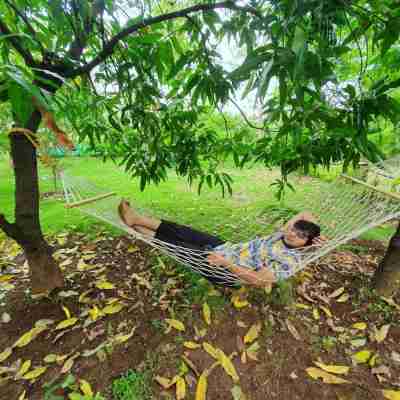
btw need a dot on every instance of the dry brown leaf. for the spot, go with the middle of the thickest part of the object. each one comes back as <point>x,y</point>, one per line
<point>293,330</point>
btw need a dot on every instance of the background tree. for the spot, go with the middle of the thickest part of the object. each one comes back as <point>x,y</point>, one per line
<point>148,70</point>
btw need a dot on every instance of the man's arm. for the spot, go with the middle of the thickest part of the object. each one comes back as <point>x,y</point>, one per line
<point>305,215</point>
<point>261,278</point>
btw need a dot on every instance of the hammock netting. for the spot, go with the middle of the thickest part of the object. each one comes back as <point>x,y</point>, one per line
<point>344,209</point>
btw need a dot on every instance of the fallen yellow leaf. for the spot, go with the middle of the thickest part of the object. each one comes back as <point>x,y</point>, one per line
<point>211,350</point>
<point>381,333</point>
<point>302,306</point>
<point>343,298</point>
<point>174,323</point>
<point>27,337</point>
<point>24,368</point>
<point>253,333</point>
<point>66,323</point>
<point>105,285</point>
<point>191,345</point>
<point>336,293</point>
<point>334,369</point>
<point>201,389</point>
<point>50,358</point>
<point>238,302</point>
<point>252,351</point>
<point>85,388</point>
<point>391,394</point>
<point>316,373</point>
<point>113,308</point>
<point>67,312</point>
<point>69,363</point>
<point>360,326</point>
<point>327,311</point>
<point>164,382</point>
<point>95,313</point>
<point>227,365</point>
<point>207,313</point>
<point>316,314</point>
<point>362,356</point>
<point>180,388</point>
<point>22,396</point>
<point>123,338</point>
<point>5,354</point>
<point>35,373</point>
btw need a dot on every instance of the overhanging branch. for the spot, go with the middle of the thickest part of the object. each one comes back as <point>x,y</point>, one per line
<point>109,46</point>
<point>27,23</point>
<point>16,43</point>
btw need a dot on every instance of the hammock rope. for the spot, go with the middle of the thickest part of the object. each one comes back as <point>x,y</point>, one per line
<point>344,209</point>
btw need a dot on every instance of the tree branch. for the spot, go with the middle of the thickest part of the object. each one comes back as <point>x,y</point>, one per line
<point>14,40</point>
<point>79,44</point>
<point>109,47</point>
<point>29,26</point>
<point>245,116</point>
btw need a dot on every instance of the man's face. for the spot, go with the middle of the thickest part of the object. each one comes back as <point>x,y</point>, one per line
<point>295,238</point>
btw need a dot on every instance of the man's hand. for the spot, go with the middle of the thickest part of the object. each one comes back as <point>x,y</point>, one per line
<point>319,240</point>
<point>217,259</point>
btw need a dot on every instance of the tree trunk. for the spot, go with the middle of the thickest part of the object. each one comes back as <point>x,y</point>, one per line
<point>387,277</point>
<point>44,272</point>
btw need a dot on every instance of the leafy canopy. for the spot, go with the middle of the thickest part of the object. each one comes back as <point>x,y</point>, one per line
<point>137,78</point>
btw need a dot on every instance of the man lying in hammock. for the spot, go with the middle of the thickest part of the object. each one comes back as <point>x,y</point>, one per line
<point>259,262</point>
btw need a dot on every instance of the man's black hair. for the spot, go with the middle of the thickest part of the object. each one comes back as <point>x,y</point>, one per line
<point>309,228</point>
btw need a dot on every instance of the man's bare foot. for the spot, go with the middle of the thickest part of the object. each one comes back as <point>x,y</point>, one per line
<point>127,214</point>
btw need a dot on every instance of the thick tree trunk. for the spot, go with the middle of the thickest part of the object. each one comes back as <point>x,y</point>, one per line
<point>387,277</point>
<point>45,274</point>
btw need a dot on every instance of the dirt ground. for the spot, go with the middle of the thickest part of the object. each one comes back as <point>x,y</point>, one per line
<point>327,316</point>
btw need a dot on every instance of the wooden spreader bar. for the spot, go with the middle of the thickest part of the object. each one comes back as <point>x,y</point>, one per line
<point>90,200</point>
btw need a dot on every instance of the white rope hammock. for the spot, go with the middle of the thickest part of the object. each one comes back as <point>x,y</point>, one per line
<point>344,209</point>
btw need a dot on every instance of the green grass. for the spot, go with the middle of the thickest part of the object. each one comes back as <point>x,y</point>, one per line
<point>132,386</point>
<point>233,218</point>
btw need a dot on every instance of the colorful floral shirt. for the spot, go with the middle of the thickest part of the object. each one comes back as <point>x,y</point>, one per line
<point>264,252</point>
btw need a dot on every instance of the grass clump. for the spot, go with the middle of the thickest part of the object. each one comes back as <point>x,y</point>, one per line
<point>132,386</point>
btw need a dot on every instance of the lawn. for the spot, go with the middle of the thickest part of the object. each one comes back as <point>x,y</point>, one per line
<point>233,217</point>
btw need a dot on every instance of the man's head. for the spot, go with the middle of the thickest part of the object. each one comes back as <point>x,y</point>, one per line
<point>301,234</point>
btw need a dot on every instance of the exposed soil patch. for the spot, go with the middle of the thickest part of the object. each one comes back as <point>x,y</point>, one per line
<point>297,328</point>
